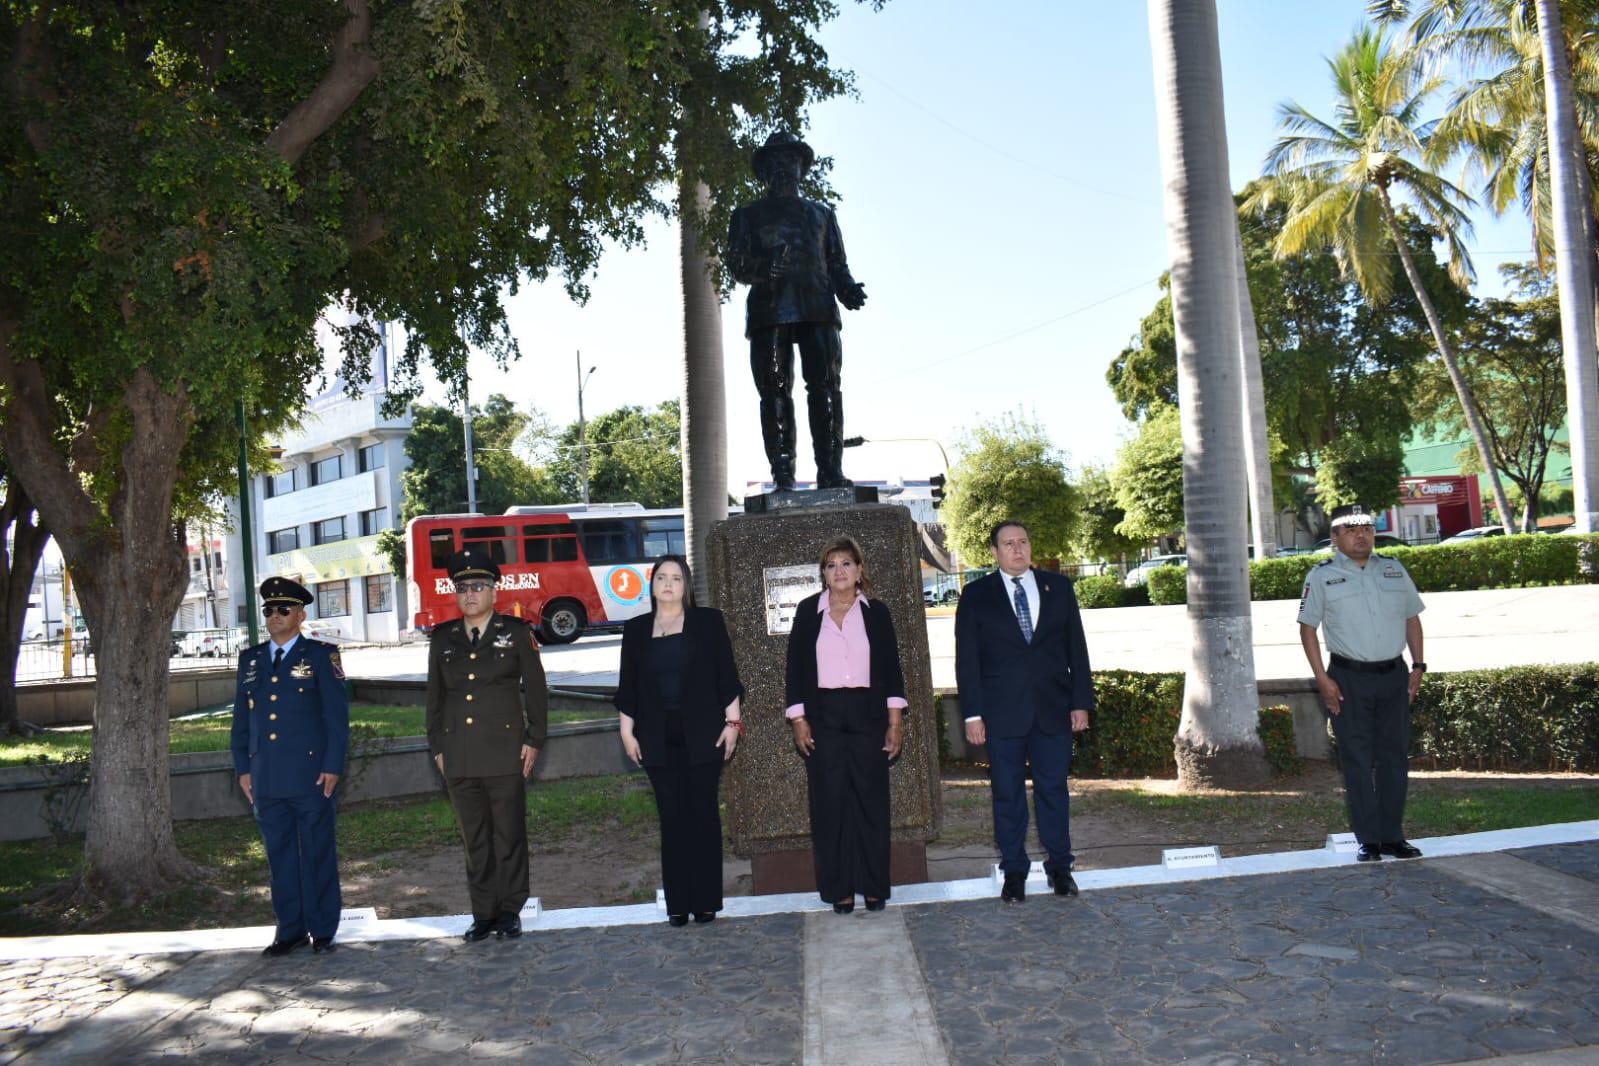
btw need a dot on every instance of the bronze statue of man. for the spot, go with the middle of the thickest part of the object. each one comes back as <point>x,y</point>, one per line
<point>789,251</point>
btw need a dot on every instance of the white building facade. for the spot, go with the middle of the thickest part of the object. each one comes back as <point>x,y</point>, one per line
<point>317,519</point>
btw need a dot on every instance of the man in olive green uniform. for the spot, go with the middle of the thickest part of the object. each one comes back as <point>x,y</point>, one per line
<point>486,720</point>
<point>1370,611</point>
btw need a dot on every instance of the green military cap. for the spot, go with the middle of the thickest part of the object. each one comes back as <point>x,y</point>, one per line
<point>472,562</point>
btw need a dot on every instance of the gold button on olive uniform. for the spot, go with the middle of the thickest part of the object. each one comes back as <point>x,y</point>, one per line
<point>469,721</point>
<point>469,697</point>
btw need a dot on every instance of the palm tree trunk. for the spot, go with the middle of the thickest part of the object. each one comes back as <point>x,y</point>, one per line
<point>1574,250</point>
<point>1257,451</point>
<point>1468,403</point>
<point>1217,742</point>
<point>704,425</point>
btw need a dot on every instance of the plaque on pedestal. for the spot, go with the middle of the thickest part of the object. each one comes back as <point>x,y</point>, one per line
<point>791,499</point>
<point>759,566</point>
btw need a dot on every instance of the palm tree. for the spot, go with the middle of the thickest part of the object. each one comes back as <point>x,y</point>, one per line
<point>1573,213</point>
<point>1257,450</point>
<point>1338,181</point>
<point>1509,123</point>
<point>704,416</point>
<point>1217,739</point>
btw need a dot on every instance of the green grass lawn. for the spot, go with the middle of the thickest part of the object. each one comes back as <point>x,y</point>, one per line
<point>212,733</point>
<point>231,850</point>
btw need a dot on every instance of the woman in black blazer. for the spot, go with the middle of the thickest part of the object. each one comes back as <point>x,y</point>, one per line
<point>678,699</point>
<point>846,697</point>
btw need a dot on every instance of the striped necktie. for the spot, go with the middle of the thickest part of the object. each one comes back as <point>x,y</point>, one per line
<point>1024,614</point>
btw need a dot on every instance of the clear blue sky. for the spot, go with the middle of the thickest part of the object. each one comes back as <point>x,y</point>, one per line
<point>1000,199</point>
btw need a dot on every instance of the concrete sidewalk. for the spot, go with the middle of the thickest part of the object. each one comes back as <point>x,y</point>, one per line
<point>1451,958</point>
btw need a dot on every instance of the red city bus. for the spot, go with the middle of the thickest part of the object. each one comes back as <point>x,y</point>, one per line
<point>570,568</point>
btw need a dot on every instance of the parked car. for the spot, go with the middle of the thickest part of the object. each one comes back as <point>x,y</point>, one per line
<point>207,644</point>
<point>1473,534</point>
<point>1139,575</point>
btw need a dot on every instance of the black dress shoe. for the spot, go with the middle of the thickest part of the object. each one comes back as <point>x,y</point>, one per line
<point>1014,889</point>
<point>704,917</point>
<point>323,945</point>
<point>677,919</point>
<point>478,930</point>
<point>279,948</point>
<point>876,904</point>
<point>844,908</point>
<point>1061,881</point>
<point>508,926</point>
<point>1368,853</point>
<point>1401,849</point>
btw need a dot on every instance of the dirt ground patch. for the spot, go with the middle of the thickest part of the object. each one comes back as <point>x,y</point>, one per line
<point>1114,824</point>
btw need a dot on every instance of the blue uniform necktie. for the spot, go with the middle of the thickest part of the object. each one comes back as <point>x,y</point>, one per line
<point>1024,615</point>
<point>277,660</point>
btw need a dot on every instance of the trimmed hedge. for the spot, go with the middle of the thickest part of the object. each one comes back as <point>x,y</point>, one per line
<point>1515,718</point>
<point>1106,590</point>
<point>1485,563</point>
<point>1137,718</point>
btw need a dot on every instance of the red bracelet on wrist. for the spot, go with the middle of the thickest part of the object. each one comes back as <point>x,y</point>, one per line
<point>737,724</point>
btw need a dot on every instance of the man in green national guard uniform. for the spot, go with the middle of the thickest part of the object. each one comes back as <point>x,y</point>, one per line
<point>487,715</point>
<point>1370,610</point>
<point>291,729</point>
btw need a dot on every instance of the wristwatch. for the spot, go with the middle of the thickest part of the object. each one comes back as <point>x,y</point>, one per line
<point>1419,666</point>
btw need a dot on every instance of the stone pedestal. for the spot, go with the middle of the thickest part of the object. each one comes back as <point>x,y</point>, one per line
<point>757,563</point>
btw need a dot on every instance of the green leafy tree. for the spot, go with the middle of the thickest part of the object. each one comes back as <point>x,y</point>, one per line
<point>1511,355</point>
<point>634,455</point>
<point>183,190</point>
<point>1149,477</point>
<point>1339,178</point>
<point>1098,515</point>
<point>1335,361</point>
<point>1008,469</point>
<point>435,482</point>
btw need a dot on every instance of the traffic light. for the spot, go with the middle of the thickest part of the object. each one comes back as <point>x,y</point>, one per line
<point>937,481</point>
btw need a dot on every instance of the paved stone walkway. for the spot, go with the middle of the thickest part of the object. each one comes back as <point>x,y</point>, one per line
<point>1397,962</point>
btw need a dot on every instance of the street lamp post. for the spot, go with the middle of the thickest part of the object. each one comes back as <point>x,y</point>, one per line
<point>856,442</point>
<point>582,430</point>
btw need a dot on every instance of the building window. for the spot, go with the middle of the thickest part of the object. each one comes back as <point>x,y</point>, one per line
<point>329,531</point>
<point>374,522</point>
<point>326,470</point>
<point>370,458</point>
<point>283,540</point>
<point>332,599</point>
<point>379,594</point>
<point>280,484</point>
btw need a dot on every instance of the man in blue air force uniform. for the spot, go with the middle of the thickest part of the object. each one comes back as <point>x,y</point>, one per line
<point>1369,610</point>
<point>291,728</point>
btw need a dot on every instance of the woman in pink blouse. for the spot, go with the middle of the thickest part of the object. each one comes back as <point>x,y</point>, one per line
<point>846,699</point>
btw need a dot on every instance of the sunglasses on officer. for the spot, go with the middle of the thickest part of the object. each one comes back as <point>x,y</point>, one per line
<point>464,587</point>
<point>281,609</point>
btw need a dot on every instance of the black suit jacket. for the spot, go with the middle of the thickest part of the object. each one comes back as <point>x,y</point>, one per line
<point>888,679</point>
<point>710,683</point>
<point>1008,682</point>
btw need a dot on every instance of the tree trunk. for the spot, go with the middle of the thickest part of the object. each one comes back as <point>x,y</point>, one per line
<point>704,427</point>
<point>1574,252</point>
<point>28,536</point>
<point>130,568</point>
<point>1217,742</point>
<point>1468,403</point>
<point>1257,449</point>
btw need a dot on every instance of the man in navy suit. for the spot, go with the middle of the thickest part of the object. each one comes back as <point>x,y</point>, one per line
<point>1021,663</point>
<point>291,728</point>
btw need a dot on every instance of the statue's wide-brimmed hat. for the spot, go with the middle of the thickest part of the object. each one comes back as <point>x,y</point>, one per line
<point>781,141</point>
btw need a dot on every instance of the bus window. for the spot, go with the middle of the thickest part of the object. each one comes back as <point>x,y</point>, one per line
<point>663,536</point>
<point>553,542</point>
<point>496,541</point>
<point>441,545</point>
<point>610,542</point>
